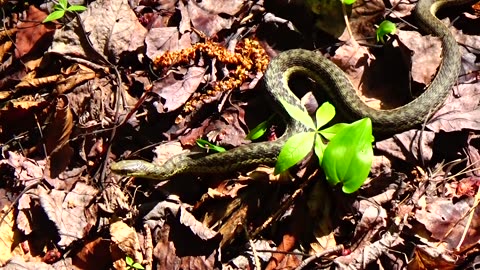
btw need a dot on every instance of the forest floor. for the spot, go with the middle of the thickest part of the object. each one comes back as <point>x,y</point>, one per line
<point>145,79</point>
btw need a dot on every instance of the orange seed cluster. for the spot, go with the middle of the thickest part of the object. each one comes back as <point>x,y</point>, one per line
<point>249,57</point>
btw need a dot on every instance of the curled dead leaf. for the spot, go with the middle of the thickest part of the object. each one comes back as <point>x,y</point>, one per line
<point>57,135</point>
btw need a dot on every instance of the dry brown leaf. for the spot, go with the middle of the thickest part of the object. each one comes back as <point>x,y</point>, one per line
<point>9,246</point>
<point>57,136</point>
<point>92,104</point>
<point>224,131</point>
<point>160,40</point>
<point>185,25</point>
<point>5,95</point>
<point>58,131</point>
<point>67,211</point>
<point>244,260</point>
<point>73,76</point>
<point>446,221</point>
<point>362,19</point>
<point>114,201</point>
<point>206,21</point>
<point>231,8</point>
<point>426,57</point>
<point>427,257</point>
<point>29,82</point>
<point>4,34</point>
<point>27,208</point>
<point>279,260</point>
<point>25,169</point>
<point>94,255</point>
<point>124,243</point>
<point>405,146</point>
<point>402,8</point>
<point>158,215</point>
<point>19,263</point>
<point>5,48</point>
<point>319,211</point>
<point>112,27</point>
<point>170,253</point>
<point>460,112</point>
<point>176,92</point>
<point>32,35</point>
<point>167,150</point>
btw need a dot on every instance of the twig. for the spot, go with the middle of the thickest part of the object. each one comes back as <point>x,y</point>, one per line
<point>469,220</point>
<point>347,23</point>
<point>258,265</point>
<point>324,253</point>
<point>35,183</point>
<point>284,207</point>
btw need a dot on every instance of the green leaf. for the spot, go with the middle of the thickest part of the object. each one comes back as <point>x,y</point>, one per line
<point>385,28</point>
<point>54,16</point>
<point>63,4</point>
<point>298,114</point>
<point>330,132</point>
<point>129,260</point>
<point>138,266</point>
<point>324,114</point>
<point>76,8</point>
<point>208,145</point>
<point>319,147</point>
<point>294,150</point>
<point>349,2</point>
<point>260,129</point>
<point>349,155</point>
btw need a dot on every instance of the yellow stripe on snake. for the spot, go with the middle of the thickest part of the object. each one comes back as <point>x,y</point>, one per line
<point>341,93</point>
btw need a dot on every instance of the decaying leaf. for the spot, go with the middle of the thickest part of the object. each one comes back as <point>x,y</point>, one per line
<point>169,72</point>
<point>124,243</point>
<point>32,36</point>
<point>67,211</point>
<point>111,26</point>
<point>9,246</point>
<point>57,136</point>
<point>158,215</point>
<point>447,221</point>
<point>177,92</point>
<point>95,254</point>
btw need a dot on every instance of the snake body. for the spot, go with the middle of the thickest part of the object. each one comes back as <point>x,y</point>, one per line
<point>341,93</point>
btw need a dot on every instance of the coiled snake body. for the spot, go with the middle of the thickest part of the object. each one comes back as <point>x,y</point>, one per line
<point>341,92</point>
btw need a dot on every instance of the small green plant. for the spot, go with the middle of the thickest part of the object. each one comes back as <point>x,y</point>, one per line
<point>131,264</point>
<point>385,28</point>
<point>348,2</point>
<point>260,129</point>
<point>347,157</point>
<point>61,8</point>
<point>210,146</point>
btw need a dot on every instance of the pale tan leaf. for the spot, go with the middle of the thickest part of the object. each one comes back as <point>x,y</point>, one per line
<point>67,211</point>
<point>8,244</point>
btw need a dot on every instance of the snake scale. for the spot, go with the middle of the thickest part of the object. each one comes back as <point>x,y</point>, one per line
<point>341,93</point>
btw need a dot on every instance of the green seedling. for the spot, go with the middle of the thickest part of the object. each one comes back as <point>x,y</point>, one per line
<point>61,8</point>
<point>385,28</point>
<point>131,264</point>
<point>346,159</point>
<point>210,146</point>
<point>260,129</point>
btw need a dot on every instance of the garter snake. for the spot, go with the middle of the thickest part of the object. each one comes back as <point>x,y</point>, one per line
<point>341,92</point>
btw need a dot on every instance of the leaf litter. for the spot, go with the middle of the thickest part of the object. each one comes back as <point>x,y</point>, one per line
<point>141,79</point>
